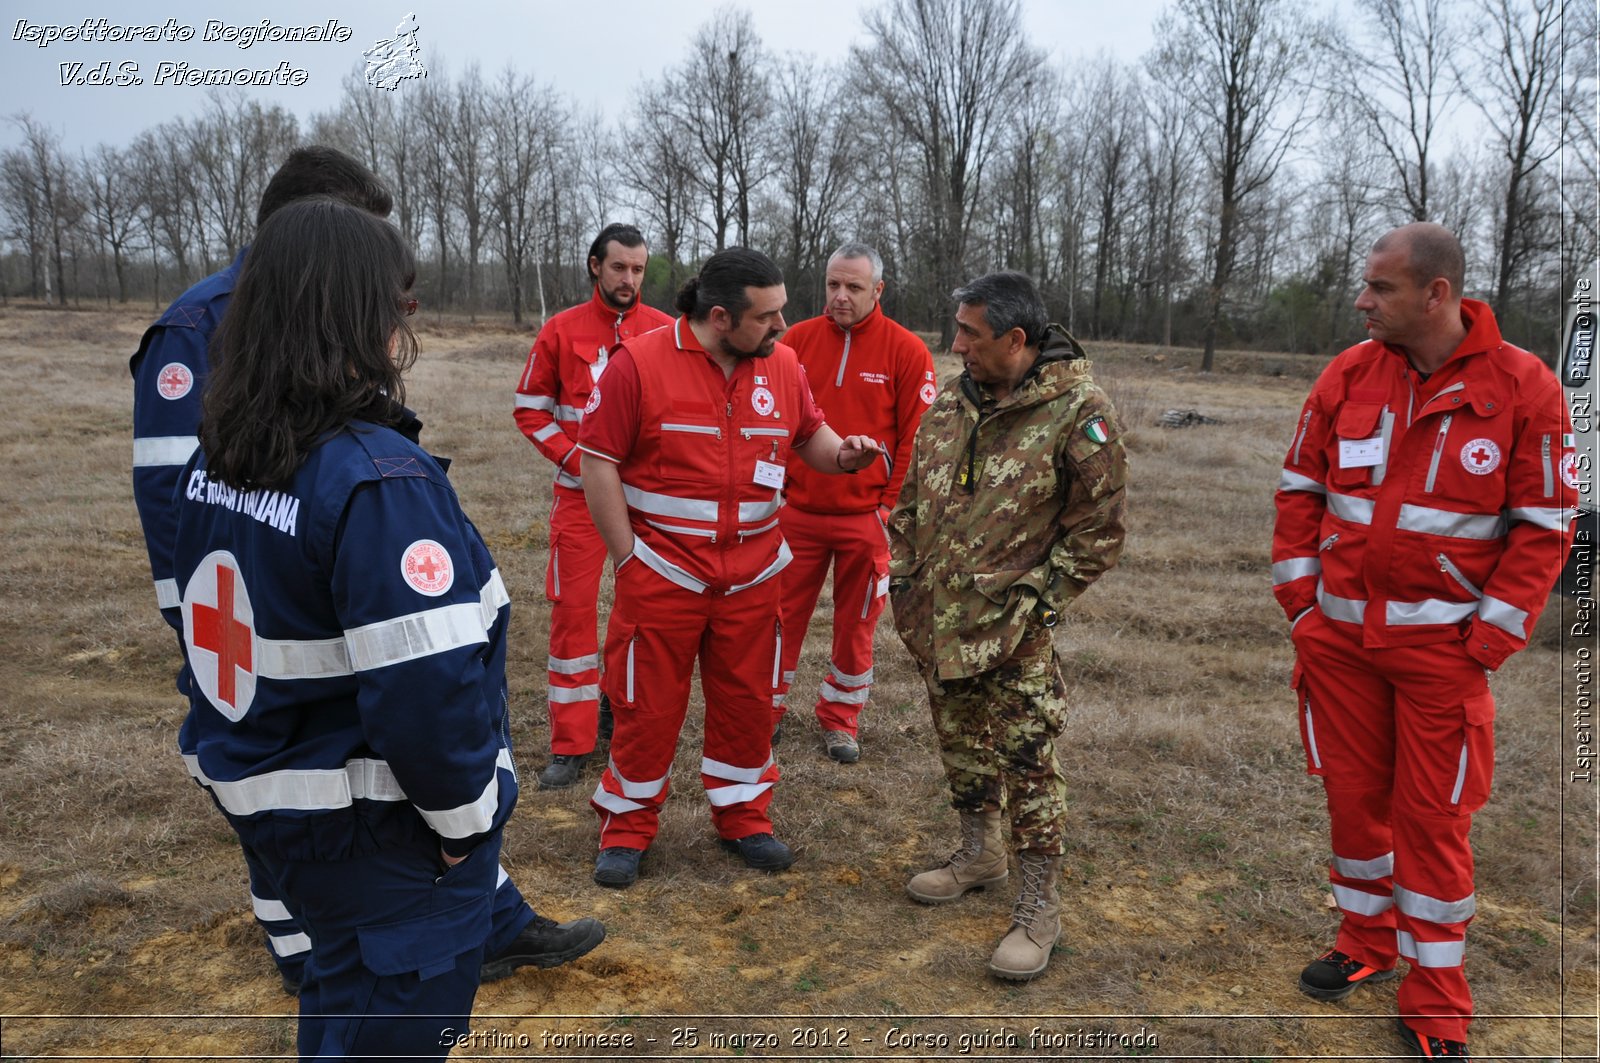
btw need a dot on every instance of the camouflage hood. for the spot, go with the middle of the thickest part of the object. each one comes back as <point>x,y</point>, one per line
<point>1058,345</point>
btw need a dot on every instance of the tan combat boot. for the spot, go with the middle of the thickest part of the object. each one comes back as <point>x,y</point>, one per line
<point>1035,921</point>
<point>980,862</point>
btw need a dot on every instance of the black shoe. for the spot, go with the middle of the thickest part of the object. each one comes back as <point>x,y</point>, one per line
<point>562,771</point>
<point>291,984</point>
<point>617,868</point>
<point>777,733</point>
<point>760,851</point>
<point>607,721</point>
<point>1431,1047</point>
<point>1335,976</point>
<point>543,943</point>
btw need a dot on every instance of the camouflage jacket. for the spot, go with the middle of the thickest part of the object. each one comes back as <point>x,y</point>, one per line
<point>1008,506</point>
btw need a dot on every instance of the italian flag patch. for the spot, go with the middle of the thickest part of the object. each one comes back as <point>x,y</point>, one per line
<point>1095,429</point>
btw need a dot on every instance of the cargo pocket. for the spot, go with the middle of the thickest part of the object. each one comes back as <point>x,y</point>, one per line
<point>430,944</point>
<point>1475,768</point>
<point>1358,422</point>
<point>1308,721</point>
<point>619,674</point>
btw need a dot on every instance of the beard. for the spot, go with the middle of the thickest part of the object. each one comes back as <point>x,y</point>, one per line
<point>765,350</point>
<point>617,302</point>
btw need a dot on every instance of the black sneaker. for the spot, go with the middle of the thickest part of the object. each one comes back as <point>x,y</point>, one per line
<point>608,723</point>
<point>617,868</point>
<point>1431,1047</point>
<point>291,984</point>
<point>562,771</point>
<point>543,943</point>
<point>1335,976</point>
<point>760,851</point>
<point>777,733</point>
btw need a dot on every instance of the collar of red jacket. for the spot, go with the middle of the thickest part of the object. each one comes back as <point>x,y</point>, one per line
<point>606,310</point>
<point>1483,334</point>
<point>862,327</point>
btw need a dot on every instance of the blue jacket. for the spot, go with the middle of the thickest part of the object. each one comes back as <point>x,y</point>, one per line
<point>169,373</point>
<point>344,643</point>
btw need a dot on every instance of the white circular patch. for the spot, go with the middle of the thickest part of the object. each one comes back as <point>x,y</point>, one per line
<point>928,393</point>
<point>594,401</point>
<point>1569,470</point>
<point>174,380</point>
<point>219,632</point>
<point>762,401</point>
<point>426,566</point>
<point>1480,457</point>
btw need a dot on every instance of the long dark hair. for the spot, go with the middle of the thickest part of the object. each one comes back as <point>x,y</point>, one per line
<point>304,348</point>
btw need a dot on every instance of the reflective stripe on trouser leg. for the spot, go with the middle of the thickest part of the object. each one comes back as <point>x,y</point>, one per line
<point>572,585</point>
<point>1443,771</point>
<point>287,943</point>
<point>997,734</point>
<point>1353,711</point>
<point>800,584</point>
<point>737,769</point>
<point>651,641</point>
<point>510,914</point>
<point>860,591</point>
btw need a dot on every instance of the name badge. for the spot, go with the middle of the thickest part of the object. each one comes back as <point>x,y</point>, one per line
<point>1358,453</point>
<point>769,475</point>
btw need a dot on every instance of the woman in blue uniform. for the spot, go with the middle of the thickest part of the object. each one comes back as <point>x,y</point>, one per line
<point>344,628</point>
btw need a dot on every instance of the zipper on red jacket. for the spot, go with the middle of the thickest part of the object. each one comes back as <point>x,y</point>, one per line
<point>1549,467</point>
<point>1448,567</point>
<point>1438,450</point>
<point>843,358</point>
<point>1305,426</point>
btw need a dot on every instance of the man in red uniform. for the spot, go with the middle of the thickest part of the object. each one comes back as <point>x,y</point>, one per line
<point>874,377</point>
<point>687,444</point>
<point>1423,516</point>
<point>567,357</point>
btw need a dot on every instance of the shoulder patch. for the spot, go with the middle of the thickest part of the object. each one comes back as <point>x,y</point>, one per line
<point>183,317</point>
<point>427,567</point>
<point>1095,429</point>
<point>393,467</point>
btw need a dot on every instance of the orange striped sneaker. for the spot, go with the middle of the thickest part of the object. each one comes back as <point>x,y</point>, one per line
<point>1427,1047</point>
<point>1334,976</point>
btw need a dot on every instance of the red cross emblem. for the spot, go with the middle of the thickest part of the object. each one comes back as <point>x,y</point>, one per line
<point>1569,470</point>
<point>174,380</point>
<point>426,567</point>
<point>762,401</point>
<point>928,394</point>
<point>218,626</point>
<point>594,401</point>
<point>1480,457</point>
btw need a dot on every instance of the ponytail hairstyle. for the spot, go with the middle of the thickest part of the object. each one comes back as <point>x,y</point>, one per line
<point>723,280</point>
<point>315,337</point>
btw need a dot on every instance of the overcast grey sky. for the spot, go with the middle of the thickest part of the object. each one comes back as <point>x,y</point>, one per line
<point>595,53</point>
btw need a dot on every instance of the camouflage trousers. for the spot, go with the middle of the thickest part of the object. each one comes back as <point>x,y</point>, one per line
<point>997,737</point>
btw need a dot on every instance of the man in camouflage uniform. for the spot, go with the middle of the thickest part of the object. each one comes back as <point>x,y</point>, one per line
<point>1012,507</point>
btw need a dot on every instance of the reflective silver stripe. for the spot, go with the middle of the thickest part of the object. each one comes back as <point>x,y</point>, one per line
<point>629,669</point>
<point>636,789</point>
<point>289,944</point>
<point>777,653</point>
<point>1461,776</point>
<point>723,796</point>
<point>1428,611</point>
<point>1549,467</point>
<point>845,679</point>
<point>778,700</point>
<point>268,911</point>
<point>493,597</point>
<point>779,563</point>
<point>753,511</point>
<point>1305,426</point>
<point>1293,481</point>
<point>602,455</point>
<point>1457,386</point>
<point>682,529</point>
<point>612,803</point>
<point>788,677</point>
<point>667,571</point>
<point>167,596</point>
<point>843,358</point>
<point>752,433</point>
<point>1387,432</point>
<point>844,697</point>
<point>1311,737</point>
<point>301,659</point>
<point>572,665</point>
<point>535,402</point>
<point>1449,568</point>
<point>1430,953</point>
<point>1291,569</point>
<point>572,695</point>
<point>1350,508</point>
<point>1354,900</point>
<point>1542,516</point>
<point>477,815</point>
<point>163,450</point>
<point>566,479</point>
<point>1377,867</point>
<point>670,505</point>
<point>421,634</point>
<point>1350,610</point>
<point>1438,449</point>
<point>501,877</point>
<point>1503,615</point>
<point>758,529</point>
<point>719,770</point>
<point>305,789</point>
<point>569,413</point>
<point>697,429</point>
<point>1421,906</point>
<point>551,429</point>
<point>1430,521</point>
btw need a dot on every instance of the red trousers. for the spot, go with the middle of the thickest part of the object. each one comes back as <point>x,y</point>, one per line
<point>857,547</point>
<point>1403,739</point>
<point>572,585</point>
<point>656,633</point>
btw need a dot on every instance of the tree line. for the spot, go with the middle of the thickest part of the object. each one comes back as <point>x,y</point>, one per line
<point>1220,190</point>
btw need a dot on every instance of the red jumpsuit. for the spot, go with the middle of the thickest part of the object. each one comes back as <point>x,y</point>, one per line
<point>701,458</point>
<point>1421,524</point>
<point>566,360</point>
<point>874,379</point>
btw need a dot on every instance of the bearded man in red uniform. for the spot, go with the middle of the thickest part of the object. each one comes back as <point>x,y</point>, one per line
<point>1423,515</point>
<point>687,442</point>
<point>874,377</point>
<point>567,358</point>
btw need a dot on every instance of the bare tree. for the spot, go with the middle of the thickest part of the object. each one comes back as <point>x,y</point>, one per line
<point>1580,145</point>
<point>27,220</point>
<point>435,169</point>
<point>1169,192</point>
<point>1114,121</point>
<point>815,139</point>
<point>53,191</point>
<point>527,130</point>
<point>660,169</point>
<point>112,197</point>
<point>233,149</point>
<point>469,144</point>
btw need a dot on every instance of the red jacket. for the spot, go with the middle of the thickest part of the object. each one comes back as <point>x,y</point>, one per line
<point>567,357</point>
<point>1453,520</point>
<point>876,379</point>
<point>701,456</point>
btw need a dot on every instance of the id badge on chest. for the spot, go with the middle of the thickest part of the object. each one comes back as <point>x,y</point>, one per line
<point>769,475</point>
<point>1360,453</point>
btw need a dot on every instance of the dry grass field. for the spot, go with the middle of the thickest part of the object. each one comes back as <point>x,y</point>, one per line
<point>1195,887</point>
